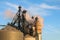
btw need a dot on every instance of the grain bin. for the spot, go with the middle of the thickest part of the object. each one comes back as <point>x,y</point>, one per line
<point>10,34</point>
<point>28,37</point>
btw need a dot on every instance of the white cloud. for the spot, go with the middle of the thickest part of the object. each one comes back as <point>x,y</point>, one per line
<point>39,9</point>
<point>45,6</point>
<point>52,1</point>
<point>12,5</point>
<point>50,29</point>
<point>53,29</point>
<point>15,6</point>
<point>34,9</point>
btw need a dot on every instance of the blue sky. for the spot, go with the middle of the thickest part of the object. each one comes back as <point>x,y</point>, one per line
<point>48,9</point>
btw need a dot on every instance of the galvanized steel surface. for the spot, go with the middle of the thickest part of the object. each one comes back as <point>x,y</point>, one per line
<point>10,35</point>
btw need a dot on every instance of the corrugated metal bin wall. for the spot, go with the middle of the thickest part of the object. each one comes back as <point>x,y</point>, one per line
<point>11,35</point>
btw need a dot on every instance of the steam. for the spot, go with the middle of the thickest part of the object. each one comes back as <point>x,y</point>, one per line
<point>8,14</point>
